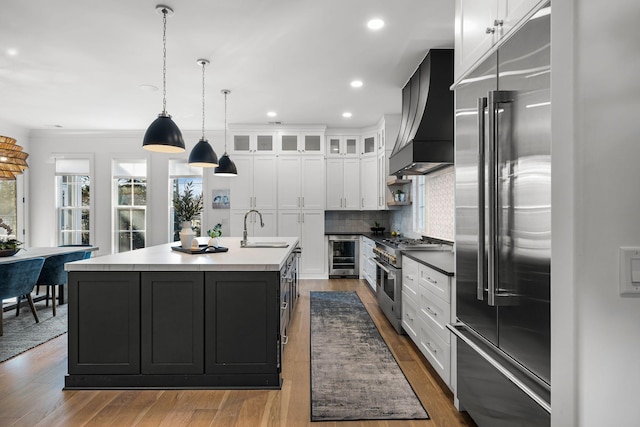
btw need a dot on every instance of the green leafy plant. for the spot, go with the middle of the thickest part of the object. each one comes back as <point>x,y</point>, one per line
<point>8,241</point>
<point>187,206</point>
<point>376,224</point>
<point>216,231</point>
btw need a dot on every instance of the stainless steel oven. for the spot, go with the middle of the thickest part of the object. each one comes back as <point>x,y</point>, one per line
<point>344,256</point>
<point>388,291</point>
<point>389,274</point>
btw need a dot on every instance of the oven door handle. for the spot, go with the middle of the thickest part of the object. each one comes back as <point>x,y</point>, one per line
<point>386,270</point>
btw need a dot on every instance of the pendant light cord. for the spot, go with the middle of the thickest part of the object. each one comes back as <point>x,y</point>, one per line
<point>203,65</point>
<point>164,61</point>
<point>225,122</point>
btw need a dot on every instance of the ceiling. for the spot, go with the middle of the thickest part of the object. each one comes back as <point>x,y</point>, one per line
<point>81,64</point>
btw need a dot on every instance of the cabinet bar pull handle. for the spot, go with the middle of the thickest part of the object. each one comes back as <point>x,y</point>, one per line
<point>430,311</point>
<point>285,339</point>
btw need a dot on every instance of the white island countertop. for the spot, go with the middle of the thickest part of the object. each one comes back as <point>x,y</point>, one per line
<point>163,258</point>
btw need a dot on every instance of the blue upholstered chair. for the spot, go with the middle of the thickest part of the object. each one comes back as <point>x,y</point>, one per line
<point>17,279</point>
<point>53,274</point>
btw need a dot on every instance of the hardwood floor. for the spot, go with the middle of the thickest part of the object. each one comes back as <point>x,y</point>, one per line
<point>31,387</point>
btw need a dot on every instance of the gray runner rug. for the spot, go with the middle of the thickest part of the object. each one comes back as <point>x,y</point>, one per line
<point>354,376</point>
<point>23,333</point>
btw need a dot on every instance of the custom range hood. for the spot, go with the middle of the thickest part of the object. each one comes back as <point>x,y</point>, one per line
<point>425,139</point>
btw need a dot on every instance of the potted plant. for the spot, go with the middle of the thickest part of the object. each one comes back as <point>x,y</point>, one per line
<point>214,233</point>
<point>187,206</point>
<point>9,245</point>
<point>400,196</point>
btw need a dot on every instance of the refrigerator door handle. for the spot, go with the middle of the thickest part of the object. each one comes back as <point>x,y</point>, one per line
<point>522,386</point>
<point>494,99</point>
<point>492,189</point>
<point>482,105</point>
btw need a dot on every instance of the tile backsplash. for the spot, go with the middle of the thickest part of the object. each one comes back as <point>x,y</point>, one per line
<point>440,209</point>
<point>354,221</point>
<point>440,203</point>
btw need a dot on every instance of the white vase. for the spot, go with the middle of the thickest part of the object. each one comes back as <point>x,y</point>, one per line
<point>186,235</point>
<point>214,241</point>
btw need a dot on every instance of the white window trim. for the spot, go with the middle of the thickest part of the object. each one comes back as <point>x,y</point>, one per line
<point>92,213</point>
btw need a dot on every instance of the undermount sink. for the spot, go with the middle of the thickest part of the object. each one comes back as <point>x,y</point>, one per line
<point>266,245</point>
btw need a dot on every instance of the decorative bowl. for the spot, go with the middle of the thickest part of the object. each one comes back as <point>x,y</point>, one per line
<point>8,252</point>
<point>377,230</point>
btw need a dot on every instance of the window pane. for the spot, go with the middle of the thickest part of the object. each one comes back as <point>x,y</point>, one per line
<point>124,219</point>
<point>85,190</point>
<point>124,242</point>
<point>124,192</point>
<point>139,192</point>
<point>138,240</point>
<point>137,219</point>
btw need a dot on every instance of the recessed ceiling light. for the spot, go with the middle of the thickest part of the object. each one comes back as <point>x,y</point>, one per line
<point>148,88</point>
<point>272,114</point>
<point>375,24</point>
<point>12,52</point>
<point>356,83</point>
<point>346,114</point>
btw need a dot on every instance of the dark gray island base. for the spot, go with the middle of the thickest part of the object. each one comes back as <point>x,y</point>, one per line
<point>178,329</point>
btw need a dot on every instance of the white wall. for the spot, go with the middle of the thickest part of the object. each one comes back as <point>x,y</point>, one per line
<point>596,205</point>
<point>103,147</point>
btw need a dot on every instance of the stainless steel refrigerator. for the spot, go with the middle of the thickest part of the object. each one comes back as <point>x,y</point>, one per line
<point>503,231</point>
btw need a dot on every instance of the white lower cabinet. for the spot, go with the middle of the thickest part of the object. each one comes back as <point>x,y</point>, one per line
<point>426,310</point>
<point>367,266</point>
<point>410,316</point>
<point>437,352</point>
<point>308,226</point>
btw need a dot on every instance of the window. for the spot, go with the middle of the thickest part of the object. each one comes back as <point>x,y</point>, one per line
<point>130,204</point>
<point>73,189</point>
<point>418,188</point>
<point>8,206</point>
<point>180,173</point>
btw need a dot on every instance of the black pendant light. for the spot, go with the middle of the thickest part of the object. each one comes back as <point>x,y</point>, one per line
<point>226,167</point>
<point>163,135</point>
<point>202,154</point>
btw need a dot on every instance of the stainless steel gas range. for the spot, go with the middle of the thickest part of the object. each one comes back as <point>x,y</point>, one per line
<point>389,273</point>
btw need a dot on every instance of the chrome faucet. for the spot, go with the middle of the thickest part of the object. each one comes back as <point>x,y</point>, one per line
<point>243,243</point>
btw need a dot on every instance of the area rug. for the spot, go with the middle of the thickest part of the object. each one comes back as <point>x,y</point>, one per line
<point>354,376</point>
<point>23,333</point>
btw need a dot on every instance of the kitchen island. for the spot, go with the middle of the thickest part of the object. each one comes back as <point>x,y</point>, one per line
<point>159,318</point>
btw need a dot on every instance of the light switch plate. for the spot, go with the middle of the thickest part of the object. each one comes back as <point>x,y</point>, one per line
<point>629,271</point>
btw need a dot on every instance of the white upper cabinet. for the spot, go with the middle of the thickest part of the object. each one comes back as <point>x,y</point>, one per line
<point>300,182</point>
<point>369,183</point>
<point>343,145</point>
<point>255,185</point>
<point>253,142</point>
<point>480,24</point>
<point>369,145</point>
<point>343,184</point>
<point>291,142</point>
